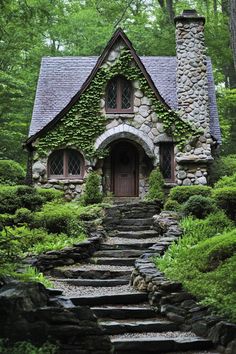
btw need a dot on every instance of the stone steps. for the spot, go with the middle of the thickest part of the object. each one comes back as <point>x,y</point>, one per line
<point>123,313</point>
<point>125,298</point>
<point>137,326</point>
<point>158,344</point>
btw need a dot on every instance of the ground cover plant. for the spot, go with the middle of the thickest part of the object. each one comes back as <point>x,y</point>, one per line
<point>34,221</point>
<point>26,348</point>
<point>204,261</point>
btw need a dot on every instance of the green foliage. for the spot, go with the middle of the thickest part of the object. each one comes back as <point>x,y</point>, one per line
<point>27,348</point>
<point>15,197</point>
<point>155,186</point>
<point>92,194</point>
<point>23,216</point>
<point>222,166</point>
<point>50,194</point>
<point>205,266</point>
<point>226,181</point>
<point>31,274</point>
<point>58,218</point>
<point>199,206</point>
<point>226,199</point>
<point>182,193</point>
<point>11,172</point>
<point>172,205</point>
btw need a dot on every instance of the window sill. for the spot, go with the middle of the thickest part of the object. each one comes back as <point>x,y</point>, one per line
<point>61,180</point>
<point>119,115</point>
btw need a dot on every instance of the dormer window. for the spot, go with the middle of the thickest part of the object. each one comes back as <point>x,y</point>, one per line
<point>119,96</point>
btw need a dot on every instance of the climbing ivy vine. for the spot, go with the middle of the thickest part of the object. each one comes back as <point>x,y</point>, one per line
<point>81,126</point>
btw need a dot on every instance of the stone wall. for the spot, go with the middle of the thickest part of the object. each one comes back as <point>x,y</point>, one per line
<point>172,300</point>
<point>29,312</point>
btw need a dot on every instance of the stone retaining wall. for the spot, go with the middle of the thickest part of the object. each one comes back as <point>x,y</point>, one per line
<point>172,300</point>
<point>30,312</point>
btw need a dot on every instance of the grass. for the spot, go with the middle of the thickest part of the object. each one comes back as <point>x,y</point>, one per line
<point>204,261</point>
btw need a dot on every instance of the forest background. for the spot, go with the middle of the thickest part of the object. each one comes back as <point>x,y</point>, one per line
<point>31,29</point>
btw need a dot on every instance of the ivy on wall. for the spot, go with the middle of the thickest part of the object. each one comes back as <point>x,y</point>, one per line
<point>81,126</point>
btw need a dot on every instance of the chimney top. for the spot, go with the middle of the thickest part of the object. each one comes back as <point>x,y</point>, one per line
<point>188,15</point>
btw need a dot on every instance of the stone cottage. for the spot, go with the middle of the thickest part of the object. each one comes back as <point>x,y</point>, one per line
<point>122,115</point>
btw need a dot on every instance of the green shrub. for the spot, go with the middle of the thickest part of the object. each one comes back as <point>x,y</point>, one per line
<point>155,186</point>
<point>92,194</point>
<point>226,181</point>
<point>50,194</point>
<point>59,218</point>
<point>226,199</point>
<point>11,172</point>
<point>23,215</point>
<point>172,205</point>
<point>182,193</point>
<point>199,206</point>
<point>15,197</point>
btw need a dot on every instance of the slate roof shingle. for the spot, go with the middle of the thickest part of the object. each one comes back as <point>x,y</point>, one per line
<point>60,78</point>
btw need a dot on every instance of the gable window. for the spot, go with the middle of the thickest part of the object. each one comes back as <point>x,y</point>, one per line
<point>119,95</point>
<point>167,161</point>
<point>65,164</point>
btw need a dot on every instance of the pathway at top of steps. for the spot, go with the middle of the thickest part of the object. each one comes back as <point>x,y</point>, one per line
<point>103,284</point>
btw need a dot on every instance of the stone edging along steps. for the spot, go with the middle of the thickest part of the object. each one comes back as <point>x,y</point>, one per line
<point>102,283</point>
<point>172,300</point>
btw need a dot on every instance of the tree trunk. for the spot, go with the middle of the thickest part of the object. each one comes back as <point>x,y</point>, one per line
<point>233,28</point>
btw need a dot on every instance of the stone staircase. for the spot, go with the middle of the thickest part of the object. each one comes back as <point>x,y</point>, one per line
<point>103,284</point>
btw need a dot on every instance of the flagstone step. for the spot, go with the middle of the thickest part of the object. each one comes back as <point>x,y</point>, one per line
<point>136,234</point>
<point>137,326</point>
<point>124,298</point>
<point>123,246</point>
<point>92,271</point>
<point>133,227</point>
<point>124,312</point>
<point>136,222</point>
<point>158,343</point>
<point>126,253</point>
<point>113,261</point>
<point>95,282</point>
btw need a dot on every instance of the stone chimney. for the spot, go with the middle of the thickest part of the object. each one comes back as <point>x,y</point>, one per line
<point>191,75</point>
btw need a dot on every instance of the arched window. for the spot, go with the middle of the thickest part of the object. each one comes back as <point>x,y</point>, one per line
<point>65,164</point>
<point>119,95</point>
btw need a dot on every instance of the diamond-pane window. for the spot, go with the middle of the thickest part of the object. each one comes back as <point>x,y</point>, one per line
<point>126,95</point>
<point>166,160</point>
<point>65,163</point>
<point>73,163</point>
<point>56,163</point>
<point>119,95</point>
<point>112,94</point>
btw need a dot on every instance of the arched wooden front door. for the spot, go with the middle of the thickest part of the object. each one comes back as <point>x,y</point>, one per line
<point>124,159</point>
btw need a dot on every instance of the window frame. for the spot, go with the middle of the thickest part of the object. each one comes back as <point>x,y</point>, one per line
<point>65,174</point>
<point>162,146</point>
<point>120,80</point>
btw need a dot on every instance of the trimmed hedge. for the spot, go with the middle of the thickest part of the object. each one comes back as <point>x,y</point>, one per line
<point>182,193</point>
<point>172,205</point>
<point>226,181</point>
<point>92,193</point>
<point>226,199</point>
<point>11,172</point>
<point>199,206</point>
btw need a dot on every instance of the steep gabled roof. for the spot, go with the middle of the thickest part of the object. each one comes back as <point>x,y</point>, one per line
<point>118,35</point>
<point>63,79</point>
